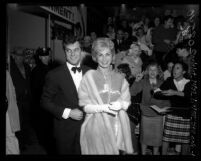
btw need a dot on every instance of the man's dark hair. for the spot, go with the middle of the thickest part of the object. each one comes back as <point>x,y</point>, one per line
<point>69,38</point>
<point>184,65</point>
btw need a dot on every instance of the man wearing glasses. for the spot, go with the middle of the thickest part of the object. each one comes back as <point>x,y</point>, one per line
<point>61,99</point>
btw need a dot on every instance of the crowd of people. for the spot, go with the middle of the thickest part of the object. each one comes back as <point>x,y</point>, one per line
<point>85,105</point>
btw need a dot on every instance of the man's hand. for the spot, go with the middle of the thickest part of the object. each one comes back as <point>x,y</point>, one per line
<point>76,114</point>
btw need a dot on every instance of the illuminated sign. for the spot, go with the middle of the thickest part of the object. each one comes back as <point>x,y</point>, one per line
<point>61,11</point>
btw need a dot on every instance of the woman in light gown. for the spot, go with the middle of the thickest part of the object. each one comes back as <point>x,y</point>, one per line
<point>104,95</point>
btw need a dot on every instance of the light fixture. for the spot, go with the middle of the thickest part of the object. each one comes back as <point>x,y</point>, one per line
<point>123,5</point>
<point>82,5</point>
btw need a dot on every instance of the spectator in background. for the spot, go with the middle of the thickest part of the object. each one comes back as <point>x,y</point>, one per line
<point>124,25</point>
<point>20,74</point>
<point>133,59</point>
<point>146,24</point>
<point>78,31</point>
<point>183,54</point>
<point>149,33</point>
<point>93,36</point>
<point>140,34</point>
<point>167,12</point>
<point>135,26</point>
<point>32,63</point>
<point>149,118</point>
<point>127,40</point>
<point>142,41</point>
<point>168,72</point>
<point>110,22</point>
<point>118,41</point>
<point>43,123</point>
<point>111,32</point>
<point>120,55</point>
<point>86,45</point>
<point>126,36</point>
<point>29,59</point>
<point>177,123</point>
<point>163,38</point>
<point>157,21</point>
<point>183,32</point>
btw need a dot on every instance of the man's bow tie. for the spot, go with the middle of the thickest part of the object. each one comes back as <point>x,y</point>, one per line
<point>74,69</point>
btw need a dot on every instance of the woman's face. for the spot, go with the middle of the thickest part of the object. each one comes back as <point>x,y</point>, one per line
<point>134,50</point>
<point>178,71</point>
<point>104,58</point>
<point>153,71</point>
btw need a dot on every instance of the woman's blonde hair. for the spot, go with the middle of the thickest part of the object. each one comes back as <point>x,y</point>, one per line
<point>102,43</point>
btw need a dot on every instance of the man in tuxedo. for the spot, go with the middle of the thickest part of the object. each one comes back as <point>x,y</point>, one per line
<point>119,41</point>
<point>60,98</point>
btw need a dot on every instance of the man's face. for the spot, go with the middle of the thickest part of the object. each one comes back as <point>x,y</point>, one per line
<point>119,34</point>
<point>73,53</point>
<point>45,59</point>
<point>170,66</point>
<point>156,21</point>
<point>169,23</point>
<point>93,36</point>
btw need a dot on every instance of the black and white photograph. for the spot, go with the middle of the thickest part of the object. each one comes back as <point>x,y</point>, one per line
<point>102,79</point>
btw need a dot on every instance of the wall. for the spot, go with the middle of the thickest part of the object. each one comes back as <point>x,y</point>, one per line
<point>24,29</point>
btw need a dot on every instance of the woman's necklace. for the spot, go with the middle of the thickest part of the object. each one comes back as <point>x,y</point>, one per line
<point>107,82</point>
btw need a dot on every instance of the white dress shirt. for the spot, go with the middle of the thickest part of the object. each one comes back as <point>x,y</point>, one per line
<point>77,77</point>
<point>180,84</point>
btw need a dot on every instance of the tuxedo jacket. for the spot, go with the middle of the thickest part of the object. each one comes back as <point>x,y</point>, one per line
<point>119,46</point>
<point>59,92</point>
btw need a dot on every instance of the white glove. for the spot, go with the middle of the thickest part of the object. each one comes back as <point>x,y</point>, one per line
<point>116,106</point>
<point>98,108</point>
